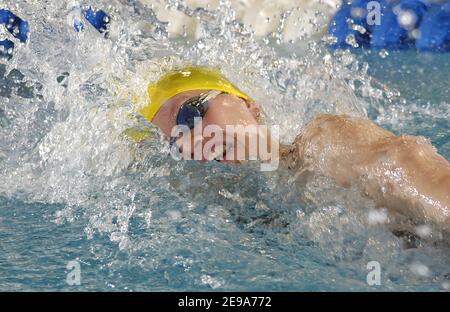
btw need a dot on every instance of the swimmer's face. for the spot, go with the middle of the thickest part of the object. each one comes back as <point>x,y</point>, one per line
<point>223,110</point>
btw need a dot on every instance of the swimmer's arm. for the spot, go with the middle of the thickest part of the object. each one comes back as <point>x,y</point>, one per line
<point>402,173</point>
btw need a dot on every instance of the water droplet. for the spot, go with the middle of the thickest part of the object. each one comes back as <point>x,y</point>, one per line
<point>407,19</point>
<point>420,269</point>
<point>358,12</point>
<point>378,216</point>
<point>415,33</point>
<point>423,230</point>
<point>446,285</point>
<point>383,53</point>
<point>358,28</point>
<point>200,45</point>
<point>351,41</point>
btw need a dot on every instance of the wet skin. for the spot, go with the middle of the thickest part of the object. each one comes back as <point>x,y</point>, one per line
<point>402,173</point>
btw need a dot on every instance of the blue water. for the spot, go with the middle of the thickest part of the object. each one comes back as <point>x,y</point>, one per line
<point>71,191</point>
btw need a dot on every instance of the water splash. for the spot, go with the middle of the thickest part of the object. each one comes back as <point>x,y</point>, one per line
<point>68,99</point>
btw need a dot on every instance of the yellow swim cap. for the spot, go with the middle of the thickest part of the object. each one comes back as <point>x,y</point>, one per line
<point>186,79</point>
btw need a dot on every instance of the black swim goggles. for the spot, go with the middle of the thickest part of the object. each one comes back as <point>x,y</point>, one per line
<point>193,110</point>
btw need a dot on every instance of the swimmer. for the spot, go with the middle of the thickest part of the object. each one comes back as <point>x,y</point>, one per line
<point>404,174</point>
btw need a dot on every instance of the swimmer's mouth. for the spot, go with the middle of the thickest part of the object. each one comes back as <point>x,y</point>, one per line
<point>218,156</point>
<point>221,152</point>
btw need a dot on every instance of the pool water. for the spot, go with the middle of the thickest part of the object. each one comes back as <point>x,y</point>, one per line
<point>74,188</point>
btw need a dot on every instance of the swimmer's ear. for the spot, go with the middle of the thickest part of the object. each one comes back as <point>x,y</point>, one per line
<point>254,109</point>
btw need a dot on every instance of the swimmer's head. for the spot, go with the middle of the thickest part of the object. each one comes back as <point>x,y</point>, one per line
<point>186,79</point>
<point>191,92</point>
